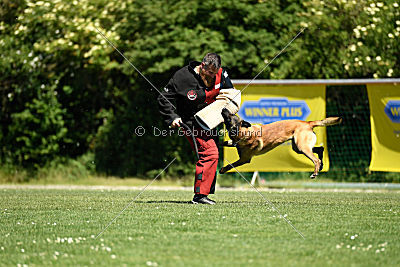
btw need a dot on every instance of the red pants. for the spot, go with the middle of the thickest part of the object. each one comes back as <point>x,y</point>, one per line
<point>206,166</point>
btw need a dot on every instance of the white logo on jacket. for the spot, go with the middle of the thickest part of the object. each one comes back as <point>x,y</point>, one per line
<point>192,95</point>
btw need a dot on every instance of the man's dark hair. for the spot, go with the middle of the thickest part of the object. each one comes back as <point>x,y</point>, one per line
<point>212,59</point>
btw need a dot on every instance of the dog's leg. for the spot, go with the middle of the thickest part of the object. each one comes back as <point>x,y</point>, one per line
<point>295,148</point>
<point>320,152</point>
<point>239,151</point>
<point>237,163</point>
<point>317,162</point>
<point>305,141</point>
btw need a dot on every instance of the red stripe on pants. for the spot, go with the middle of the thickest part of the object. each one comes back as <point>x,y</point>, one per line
<point>206,166</point>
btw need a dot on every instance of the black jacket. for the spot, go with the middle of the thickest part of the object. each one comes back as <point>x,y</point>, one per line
<point>188,93</point>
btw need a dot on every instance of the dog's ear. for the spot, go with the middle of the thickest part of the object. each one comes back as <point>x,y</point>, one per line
<point>245,124</point>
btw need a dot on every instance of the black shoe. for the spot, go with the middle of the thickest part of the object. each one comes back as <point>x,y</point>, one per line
<point>202,199</point>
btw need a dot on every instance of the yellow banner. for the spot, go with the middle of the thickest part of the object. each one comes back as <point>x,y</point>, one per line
<point>265,104</point>
<point>384,103</point>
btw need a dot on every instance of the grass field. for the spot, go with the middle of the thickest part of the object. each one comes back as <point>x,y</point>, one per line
<point>58,227</point>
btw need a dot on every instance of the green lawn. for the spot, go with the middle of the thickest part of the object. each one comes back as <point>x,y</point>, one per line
<point>43,227</point>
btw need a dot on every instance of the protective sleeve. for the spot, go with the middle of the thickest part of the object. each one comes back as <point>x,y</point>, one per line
<point>167,102</point>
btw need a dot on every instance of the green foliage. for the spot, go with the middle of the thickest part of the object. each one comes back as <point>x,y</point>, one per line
<point>93,99</point>
<point>38,130</point>
<point>68,169</point>
<point>9,173</point>
<point>345,39</point>
<point>49,45</point>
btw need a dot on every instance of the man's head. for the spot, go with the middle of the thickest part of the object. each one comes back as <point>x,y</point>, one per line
<point>209,68</point>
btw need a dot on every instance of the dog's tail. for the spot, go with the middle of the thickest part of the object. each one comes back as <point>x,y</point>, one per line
<point>326,122</point>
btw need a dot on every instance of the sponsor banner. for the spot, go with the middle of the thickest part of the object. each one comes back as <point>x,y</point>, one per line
<point>263,104</point>
<point>267,110</point>
<point>384,102</point>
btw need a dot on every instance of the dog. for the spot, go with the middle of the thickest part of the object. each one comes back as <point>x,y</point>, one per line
<point>252,140</point>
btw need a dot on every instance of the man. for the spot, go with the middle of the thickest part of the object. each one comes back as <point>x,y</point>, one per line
<point>191,89</point>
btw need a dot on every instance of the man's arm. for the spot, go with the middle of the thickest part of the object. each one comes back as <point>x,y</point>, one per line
<point>166,101</point>
<point>226,81</point>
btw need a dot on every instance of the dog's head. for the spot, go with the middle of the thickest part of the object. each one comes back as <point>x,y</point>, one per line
<point>233,123</point>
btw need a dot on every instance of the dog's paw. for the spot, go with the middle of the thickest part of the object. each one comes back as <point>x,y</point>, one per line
<point>321,166</point>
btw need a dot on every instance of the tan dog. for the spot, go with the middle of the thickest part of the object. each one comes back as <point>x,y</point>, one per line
<point>251,140</point>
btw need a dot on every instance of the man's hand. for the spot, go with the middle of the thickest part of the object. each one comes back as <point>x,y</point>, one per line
<point>176,123</point>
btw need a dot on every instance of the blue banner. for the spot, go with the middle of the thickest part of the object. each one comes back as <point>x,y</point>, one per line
<point>268,110</point>
<point>392,110</point>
